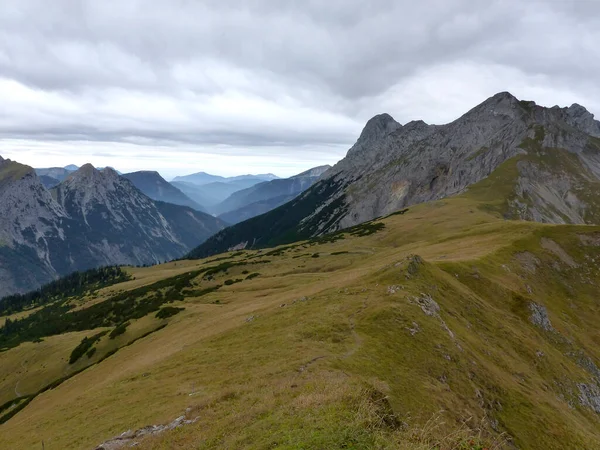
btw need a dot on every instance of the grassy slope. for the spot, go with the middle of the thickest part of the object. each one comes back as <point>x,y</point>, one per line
<point>337,365</point>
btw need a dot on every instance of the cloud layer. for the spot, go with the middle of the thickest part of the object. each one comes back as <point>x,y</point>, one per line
<point>271,85</point>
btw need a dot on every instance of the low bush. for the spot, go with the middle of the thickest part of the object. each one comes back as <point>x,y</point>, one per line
<point>119,330</point>
<point>168,311</point>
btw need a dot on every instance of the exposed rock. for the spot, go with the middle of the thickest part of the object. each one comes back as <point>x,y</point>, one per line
<point>553,247</point>
<point>539,316</point>
<point>130,438</point>
<point>414,329</point>
<point>592,239</point>
<point>528,260</point>
<point>589,395</point>
<point>427,304</point>
<point>393,289</point>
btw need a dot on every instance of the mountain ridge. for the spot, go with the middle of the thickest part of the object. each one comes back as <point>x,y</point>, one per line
<point>262,192</point>
<point>92,218</point>
<point>392,166</point>
<point>156,187</point>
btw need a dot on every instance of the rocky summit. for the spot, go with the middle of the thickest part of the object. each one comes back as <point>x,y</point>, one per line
<point>548,160</point>
<point>93,218</point>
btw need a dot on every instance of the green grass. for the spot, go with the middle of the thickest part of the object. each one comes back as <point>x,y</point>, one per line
<point>337,351</point>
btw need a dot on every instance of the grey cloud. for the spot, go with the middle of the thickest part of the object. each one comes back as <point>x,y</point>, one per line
<point>278,72</point>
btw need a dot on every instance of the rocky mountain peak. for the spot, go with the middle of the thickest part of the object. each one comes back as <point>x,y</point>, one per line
<point>580,118</point>
<point>376,128</point>
<point>109,172</point>
<point>379,126</point>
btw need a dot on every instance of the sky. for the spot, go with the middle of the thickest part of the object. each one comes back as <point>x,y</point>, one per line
<point>256,86</point>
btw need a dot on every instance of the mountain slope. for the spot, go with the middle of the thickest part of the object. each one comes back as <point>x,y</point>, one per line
<point>48,181</point>
<point>393,166</point>
<point>31,225</point>
<point>157,188</point>
<point>58,173</point>
<point>447,307</point>
<point>264,191</point>
<point>93,218</point>
<point>199,178</point>
<point>211,194</point>
<point>255,209</point>
<point>119,223</point>
<point>202,178</point>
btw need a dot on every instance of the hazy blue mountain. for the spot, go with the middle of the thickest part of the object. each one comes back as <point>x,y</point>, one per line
<point>260,193</point>
<point>202,178</point>
<point>211,194</point>
<point>157,188</point>
<point>199,178</point>
<point>58,173</point>
<point>254,209</point>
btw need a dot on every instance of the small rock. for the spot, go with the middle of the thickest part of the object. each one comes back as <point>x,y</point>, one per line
<point>539,316</point>
<point>415,329</point>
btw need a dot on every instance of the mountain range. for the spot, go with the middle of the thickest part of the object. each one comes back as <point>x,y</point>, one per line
<point>548,160</point>
<point>92,218</point>
<point>202,178</point>
<point>263,197</point>
<point>157,188</point>
<point>437,288</point>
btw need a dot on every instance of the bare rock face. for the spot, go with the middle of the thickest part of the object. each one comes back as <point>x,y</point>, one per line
<point>539,316</point>
<point>93,218</point>
<point>393,166</point>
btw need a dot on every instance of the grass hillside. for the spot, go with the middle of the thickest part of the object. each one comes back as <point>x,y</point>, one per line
<point>442,327</point>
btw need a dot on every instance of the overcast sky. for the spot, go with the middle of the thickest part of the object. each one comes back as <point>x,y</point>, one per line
<point>232,87</point>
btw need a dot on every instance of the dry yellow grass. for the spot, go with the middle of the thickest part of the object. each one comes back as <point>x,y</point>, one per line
<point>317,353</point>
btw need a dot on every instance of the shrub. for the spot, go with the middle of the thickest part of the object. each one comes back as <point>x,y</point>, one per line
<point>252,275</point>
<point>168,311</point>
<point>91,352</point>
<point>85,346</point>
<point>119,330</point>
<point>315,255</point>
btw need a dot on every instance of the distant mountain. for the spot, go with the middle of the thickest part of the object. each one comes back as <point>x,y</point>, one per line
<point>93,218</point>
<point>211,194</point>
<point>314,172</point>
<point>261,176</point>
<point>157,188</point>
<point>261,193</point>
<point>72,167</point>
<point>194,192</point>
<point>254,209</point>
<point>199,178</point>
<point>537,163</point>
<point>202,178</point>
<point>48,181</point>
<point>58,173</point>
